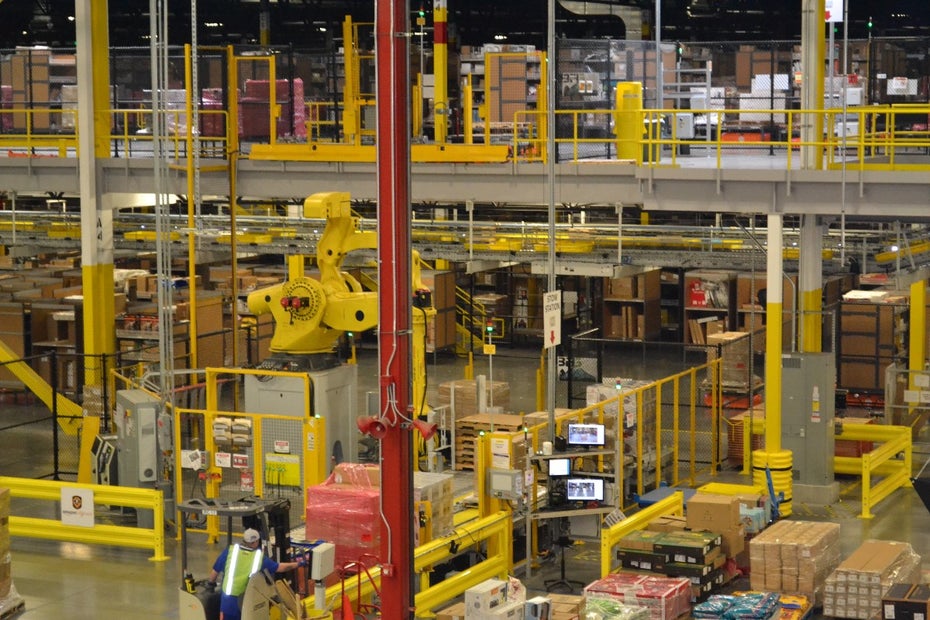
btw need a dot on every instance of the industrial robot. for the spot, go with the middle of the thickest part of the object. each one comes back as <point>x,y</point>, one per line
<point>311,315</point>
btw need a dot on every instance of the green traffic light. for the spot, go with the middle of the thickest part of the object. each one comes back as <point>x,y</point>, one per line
<point>422,13</point>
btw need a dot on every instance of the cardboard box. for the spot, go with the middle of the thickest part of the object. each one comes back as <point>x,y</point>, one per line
<point>906,602</point>
<point>452,612</point>
<point>537,608</point>
<point>707,511</point>
<point>669,523</point>
<point>689,547</point>
<point>486,596</point>
<point>566,606</point>
<point>508,611</point>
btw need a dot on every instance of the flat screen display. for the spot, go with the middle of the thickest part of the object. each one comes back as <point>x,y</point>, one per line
<point>560,467</point>
<point>585,435</point>
<point>584,490</point>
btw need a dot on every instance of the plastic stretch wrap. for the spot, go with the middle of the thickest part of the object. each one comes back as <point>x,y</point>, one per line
<point>856,587</point>
<point>6,574</point>
<point>10,602</point>
<point>609,609</point>
<point>344,510</point>
<point>748,606</point>
<point>665,597</point>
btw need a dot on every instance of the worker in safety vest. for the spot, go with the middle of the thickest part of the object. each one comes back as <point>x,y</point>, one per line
<point>237,563</point>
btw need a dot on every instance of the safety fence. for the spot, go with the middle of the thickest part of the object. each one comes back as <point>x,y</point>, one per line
<point>77,522</point>
<point>884,469</point>
<point>881,456</point>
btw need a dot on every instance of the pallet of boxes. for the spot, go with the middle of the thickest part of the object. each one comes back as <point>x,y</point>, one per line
<point>494,599</point>
<point>795,557</point>
<point>855,589</point>
<point>10,600</point>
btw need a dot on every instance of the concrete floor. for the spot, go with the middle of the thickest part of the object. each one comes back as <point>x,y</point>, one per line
<point>77,581</point>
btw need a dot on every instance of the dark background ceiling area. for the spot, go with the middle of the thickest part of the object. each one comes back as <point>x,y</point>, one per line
<point>314,23</point>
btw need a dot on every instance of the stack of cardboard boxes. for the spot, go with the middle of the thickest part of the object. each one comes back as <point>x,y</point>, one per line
<point>695,556</point>
<point>906,601</point>
<point>461,396</point>
<point>491,602</point>
<point>795,557</point>
<point>720,514</point>
<point>855,588</point>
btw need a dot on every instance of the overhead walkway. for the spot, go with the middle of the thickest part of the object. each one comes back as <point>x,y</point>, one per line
<point>874,173</point>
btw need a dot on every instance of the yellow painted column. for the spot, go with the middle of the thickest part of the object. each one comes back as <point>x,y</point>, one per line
<point>629,121</point>
<point>917,344</point>
<point>93,78</point>
<point>810,283</point>
<point>350,118</point>
<point>440,70</point>
<point>772,460</point>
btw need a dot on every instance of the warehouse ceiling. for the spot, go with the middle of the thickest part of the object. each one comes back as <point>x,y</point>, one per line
<point>314,23</point>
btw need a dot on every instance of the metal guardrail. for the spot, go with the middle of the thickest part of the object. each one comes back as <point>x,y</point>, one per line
<point>883,137</point>
<point>100,534</point>
<point>674,504</point>
<point>891,462</point>
<point>495,529</point>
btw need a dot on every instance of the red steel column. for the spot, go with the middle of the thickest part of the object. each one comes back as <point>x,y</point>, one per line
<point>394,255</point>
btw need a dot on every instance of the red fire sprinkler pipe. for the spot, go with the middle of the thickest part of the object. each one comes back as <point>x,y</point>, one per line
<point>394,305</point>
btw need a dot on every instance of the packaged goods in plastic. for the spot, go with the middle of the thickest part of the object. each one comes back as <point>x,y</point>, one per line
<point>607,609</point>
<point>666,598</point>
<point>856,587</point>
<point>344,510</point>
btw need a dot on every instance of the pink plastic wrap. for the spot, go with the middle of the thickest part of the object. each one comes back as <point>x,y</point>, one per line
<point>344,511</point>
<point>665,597</point>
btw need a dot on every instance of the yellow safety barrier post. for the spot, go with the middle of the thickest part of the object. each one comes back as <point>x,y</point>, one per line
<point>891,461</point>
<point>674,504</point>
<point>98,534</point>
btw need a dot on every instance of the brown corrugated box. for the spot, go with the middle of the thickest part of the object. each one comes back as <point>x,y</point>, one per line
<point>707,511</point>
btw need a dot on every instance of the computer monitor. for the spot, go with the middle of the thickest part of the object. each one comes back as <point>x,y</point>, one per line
<point>585,435</point>
<point>560,467</point>
<point>584,490</point>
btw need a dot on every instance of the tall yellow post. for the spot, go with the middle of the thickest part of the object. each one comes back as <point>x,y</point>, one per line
<point>350,117</point>
<point>440,70</point>
<point>629,121</point>
<point>917,345</point>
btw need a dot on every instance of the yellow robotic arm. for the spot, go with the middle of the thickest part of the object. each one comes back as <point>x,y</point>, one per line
<point>310,314</point>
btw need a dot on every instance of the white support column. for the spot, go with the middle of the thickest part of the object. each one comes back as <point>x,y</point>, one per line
<point>812,59</point>
<point>93,121</point>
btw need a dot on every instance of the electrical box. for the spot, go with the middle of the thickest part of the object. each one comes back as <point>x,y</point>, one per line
<point>684,126</point>
<point>136,418</point>
<point>505,483</point>
<point>333,397</point>
<point>808,407</point>
<point>322,561</point>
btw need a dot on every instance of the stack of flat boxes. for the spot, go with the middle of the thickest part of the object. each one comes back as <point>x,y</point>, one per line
<point>720,514</point>
<point>695,556</point>
<point>462,396</point>
<point>856,587</point>
<point>437,490</point>
<point>795,557</point>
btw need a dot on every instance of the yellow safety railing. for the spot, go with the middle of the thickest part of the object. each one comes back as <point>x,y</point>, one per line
<point>100,534</point>
<point>494,530</point>
<point>890,462</point>
<point>650,409</point>
<point>859,138</point>
<point>20,136</point>
<point>674,504</point>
